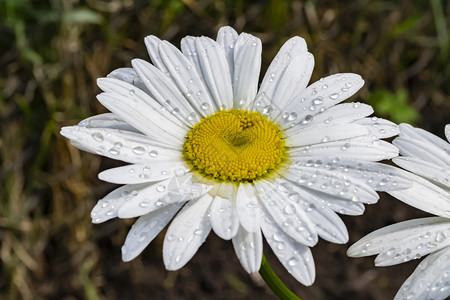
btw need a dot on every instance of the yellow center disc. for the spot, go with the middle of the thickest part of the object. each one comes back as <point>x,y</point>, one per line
<point>235,146</point>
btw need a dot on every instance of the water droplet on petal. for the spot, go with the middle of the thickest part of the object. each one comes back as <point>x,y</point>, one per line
<point>98,136</point>
<point>334,96</point>
<point>317,101</point>
<point>114,151</point>
<point>292,116</point>
<point>161,188</point>
<point>138,150</point>
<point>293,261</point>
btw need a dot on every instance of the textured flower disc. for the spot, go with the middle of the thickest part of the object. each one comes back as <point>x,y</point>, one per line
<point>235,145</point>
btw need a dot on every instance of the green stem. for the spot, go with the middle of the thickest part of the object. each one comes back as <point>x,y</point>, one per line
<point>274,283</point>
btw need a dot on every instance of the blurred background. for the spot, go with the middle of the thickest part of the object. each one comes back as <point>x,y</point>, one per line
<point>51,53</point>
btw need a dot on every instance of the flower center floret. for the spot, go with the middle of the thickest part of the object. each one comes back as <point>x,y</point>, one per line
<point>235,145</point>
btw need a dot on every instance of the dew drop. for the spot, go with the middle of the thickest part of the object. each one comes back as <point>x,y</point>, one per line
<point>333,96</point>
<point>281,246</point>
<point>138,150</point>
<point>179,172</point>
<point>98,136</point>
<point>144,204</point>
<point>293,261</point>
<point>292,116</point>
<point>294,196</point>
<point>317,101</point>
<point>153,153</point>
<point>142,236</point>
<point>160,188</point>
<point>114,151</point>
<point>440,237</point>
<point>267,109</point>
<point>132,92</point>
<point>307,119</point>
<point>289,210</point>
<point>346,146</point>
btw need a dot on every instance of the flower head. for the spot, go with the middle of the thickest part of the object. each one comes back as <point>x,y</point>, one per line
<point>209,150</point>
<point>428,158</point>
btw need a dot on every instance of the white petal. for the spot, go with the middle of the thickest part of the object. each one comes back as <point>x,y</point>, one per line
<point>418,134</point>
<point>404,241</point>
<point>190,51</point>
<point>328,225</point>
<point>379,176</point>
<point>292,67</point>
<point>187,79</point>
<point>335,203</point>
<point>321,95</point>
<point>210,61</point>
<point>425,151</point>
<point>339,114</point>
<point>329,134</point>
<point>186,233</point>
<point>108,207</point>
<point>249,249</point>
<point>248,208</point>
<point>138,109</point>
<point>121,145</point>
<point>332,183</point>
<point>447,132</point>
<point>294,256</point>
<point>419,143</point>
<point>287,214</point>
<point>152,43</point>
<point>247,65</point>
<point>135,115</point>
<point>224,219</point>
<point>226,37</point>
<point>108,120</point>
<point>425,196</point>
<point>214,68</point>
<point>166,92</point>
<point>146,229</point>
<point>145,200</point>
<point>379,128</point>
<point>159,194</point>
<point>186,187</point>
<point>429,170</point>
<point>430,280</point>
<point>361,148</point>
<point>285,77</point>
<point>344,207</point>
<point>128,75</point>
<point>140,173</point>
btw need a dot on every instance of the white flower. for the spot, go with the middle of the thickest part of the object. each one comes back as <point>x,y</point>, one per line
<point>429,157</point>
<point>202,140</point>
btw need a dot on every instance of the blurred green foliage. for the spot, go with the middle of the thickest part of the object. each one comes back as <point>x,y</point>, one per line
<point>394,105</point>
<point>52,51</point>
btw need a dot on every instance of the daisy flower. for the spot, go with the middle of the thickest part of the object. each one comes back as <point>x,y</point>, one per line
<point>211,151</point>
<point>428,157</point>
